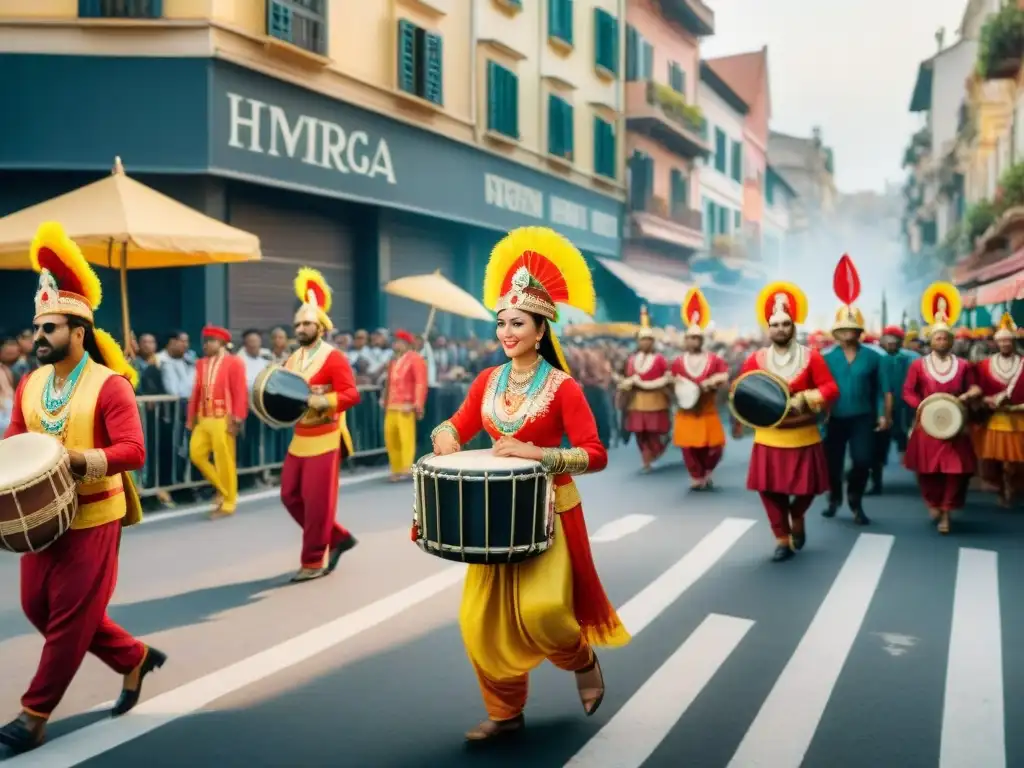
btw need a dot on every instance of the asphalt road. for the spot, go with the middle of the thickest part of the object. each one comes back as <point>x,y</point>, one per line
<point>885,646</point>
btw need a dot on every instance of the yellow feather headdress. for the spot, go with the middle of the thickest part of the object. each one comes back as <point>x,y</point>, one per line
<point>315,294</point>
<point>781,300</point>
<point>695,312</point>
<point>940,307</point>
<point>1007,328</point>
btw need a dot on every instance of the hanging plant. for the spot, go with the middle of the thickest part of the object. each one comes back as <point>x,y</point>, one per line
<point>978,219</point>
<point>1002,43</point>
<point>1011,187</point>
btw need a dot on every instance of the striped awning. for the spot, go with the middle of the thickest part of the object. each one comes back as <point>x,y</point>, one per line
<point>996,292</point>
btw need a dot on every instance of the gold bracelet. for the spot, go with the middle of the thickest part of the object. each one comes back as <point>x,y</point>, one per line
<point>95,465</point>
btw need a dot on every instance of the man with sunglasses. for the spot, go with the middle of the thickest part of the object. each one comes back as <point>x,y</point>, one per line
<point>309,477</point>
<point>83,396</point>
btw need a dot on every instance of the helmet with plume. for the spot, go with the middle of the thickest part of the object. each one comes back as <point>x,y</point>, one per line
<point>646,330</point>
<point>940,307</point>
<point>846,284</point>
<point>781,301</point>
<point>315,294</point>
<point>68,286</point>
<point>1007,328</point>
<point>696,312</point>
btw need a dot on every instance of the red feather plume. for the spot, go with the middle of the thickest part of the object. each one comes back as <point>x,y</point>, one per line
<point>66,278</point>
<point>846,281</point>
<point>693,307</point>
<point>543,271</point>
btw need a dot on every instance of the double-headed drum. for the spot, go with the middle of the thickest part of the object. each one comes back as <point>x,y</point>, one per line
<point>759,399</point>
<point>687,394</point>
<point>476,507</point>
<point>942,416</point>
<point>38,496</point>
<point>279,397</point>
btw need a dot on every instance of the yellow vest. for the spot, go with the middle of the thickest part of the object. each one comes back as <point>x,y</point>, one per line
<point>305,446</point>
<point>107,499</point>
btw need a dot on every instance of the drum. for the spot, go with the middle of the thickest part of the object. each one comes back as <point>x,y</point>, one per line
<point>38,496</point>
<point>475,507</point>
<point>687,394</point>
<point>759,399</point>
<point>279,397</point>
<point>942,416</point>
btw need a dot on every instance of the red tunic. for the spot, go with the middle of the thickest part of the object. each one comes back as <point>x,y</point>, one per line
<point>648,410</point>
<point>700,427</point>
<point>406,388</point>
<point>926,454</point>
<point>328,373</point>
<point>219,389</point>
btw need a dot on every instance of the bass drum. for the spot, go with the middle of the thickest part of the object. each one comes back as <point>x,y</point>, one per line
<point>279,397</point>
<point>759,399</point>
<point>38,494</point>
<point>942,416</point>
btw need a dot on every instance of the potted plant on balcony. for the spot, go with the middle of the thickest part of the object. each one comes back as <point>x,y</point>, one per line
<point>1002,43</point>
<point>674,104</point>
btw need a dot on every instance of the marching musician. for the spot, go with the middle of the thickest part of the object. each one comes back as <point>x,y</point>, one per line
<point>646,382</point>
<point>1002,442</point>
<point>787,463</point>
<point>553,607</point>
<point>216,411</point>
<point>854,418</point>
<point>943,467</point>
<point>895,364</point>
<point>309,477</point>
<point>403,400</point>
<point>83,395</point>
<point>698,430</point>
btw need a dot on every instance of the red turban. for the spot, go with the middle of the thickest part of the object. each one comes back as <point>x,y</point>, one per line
<point>216,332</point>
<point>893,330</point>
<point>405,336</point>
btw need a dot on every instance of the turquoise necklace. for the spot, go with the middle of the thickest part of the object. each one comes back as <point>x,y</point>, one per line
<point>55,404</point>
<point>510,427</point>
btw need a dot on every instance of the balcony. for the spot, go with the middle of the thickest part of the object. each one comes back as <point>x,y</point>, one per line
<point>657,111</point>
<point>120,9</point>
<point>693,15</point>
<point>654,219</point>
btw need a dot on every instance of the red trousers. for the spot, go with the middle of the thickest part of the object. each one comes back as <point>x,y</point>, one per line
<point>701,462</point>
<point>944,492</point>
<point>651,445</point>
<point>309,491</point>
<point>65,590</point>
<point>785,513</point>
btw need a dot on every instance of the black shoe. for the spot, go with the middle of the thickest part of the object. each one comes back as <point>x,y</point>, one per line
<point>798,540</point>
<point>782,552</point>
<point>830,510</point>
<point>338,551</point>
<point>859,518</point>
<point>19,736</point>
<point>126,702</point>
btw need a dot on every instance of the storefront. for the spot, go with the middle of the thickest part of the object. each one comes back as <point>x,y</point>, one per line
<point>361,197</point>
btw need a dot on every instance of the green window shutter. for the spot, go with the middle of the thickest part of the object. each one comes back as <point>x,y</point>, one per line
<point>493,97</point>
<point>648,61</point>
<point>676,77</point>
<point>737,161</point>
<point>554,127</point>
<point>502,101</point>
<point>568,131</point>
<point>279,20</point>
<point>560,20</point>
<point>680,191</point>
<point>599,149</point>
<point>406,56</point>
<point>632,54</point>
<point>723,220</point>
<point>604,148</point>
<point>433,68</point>
<point>721,151</point>
<point>737,220</point>
<point>512,108</point>
<point>606,41</point>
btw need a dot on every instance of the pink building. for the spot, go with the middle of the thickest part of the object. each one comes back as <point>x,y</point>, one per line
<point>666,132</point>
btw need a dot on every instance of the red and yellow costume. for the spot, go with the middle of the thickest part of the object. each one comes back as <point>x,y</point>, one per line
<point>1001,441</point>
<point>309,477</point>
<point>552,607</point>
<point>943,467</point>
<point>647,412</point>
<point>405,396</point>
<point>787,463</point>
<point>219,396</point>
<point>66,588</point>
<point>699,431</point>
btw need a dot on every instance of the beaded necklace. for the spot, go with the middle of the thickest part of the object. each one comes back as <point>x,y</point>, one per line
<point>516,418</point>
<point>56,404</point>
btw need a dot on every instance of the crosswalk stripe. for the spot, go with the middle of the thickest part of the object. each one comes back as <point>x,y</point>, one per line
<point>784,727</point>
<point>636,730</point>
<point>620,528</point>
<point>973,727</point>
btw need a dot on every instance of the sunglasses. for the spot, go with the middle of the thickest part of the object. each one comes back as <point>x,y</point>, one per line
<point>47,328</point>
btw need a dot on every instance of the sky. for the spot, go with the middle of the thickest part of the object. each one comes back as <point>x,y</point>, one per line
<point>848,67</point>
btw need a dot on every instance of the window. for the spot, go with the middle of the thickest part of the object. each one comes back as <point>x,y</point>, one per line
<point>769,192</point>
<point>641,180</point>
<point>420,63</point>
<point>303,23</point>
<point>710,218</point>
<point>737,161</point>
<point>723,220</point>
<point>502,100</point>
<point>676,77</point>
<point>680,191</point>
<point>737,221</point>
<point>560,20</point>
<point>120,9</point>
<point>560,127</point>
<point>606,41</point>
<point>721,151</point>
<point>639,56</point>
<point>604,148</point>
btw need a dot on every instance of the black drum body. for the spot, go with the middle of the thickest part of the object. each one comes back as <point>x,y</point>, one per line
<point>279,397</point>
<point>759,399</point>
<point>467,511</point>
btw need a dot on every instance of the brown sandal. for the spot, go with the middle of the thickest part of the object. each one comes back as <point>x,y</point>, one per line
<point>943,526</point>
<point>590,684</point>
<point>493,729</point>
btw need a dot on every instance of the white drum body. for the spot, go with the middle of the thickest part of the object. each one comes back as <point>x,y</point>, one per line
<point>942,416</point>
<point>687,394</point>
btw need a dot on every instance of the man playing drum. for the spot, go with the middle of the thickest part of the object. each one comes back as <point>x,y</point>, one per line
<point>647,380</point>
<point>895,364</point>
<point>698,428</point>
<point>403,400</point>
<point>854,418</point>
<point>309,478</point>
<point>1002,442</point>
<point>787,463</point>
<point>943,465</point>
<point>82,395</point>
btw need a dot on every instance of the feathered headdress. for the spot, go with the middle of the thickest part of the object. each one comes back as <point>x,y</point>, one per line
<point>696,312</point>
<point>646,330</point>
<point>940,307</point>
<point>846,284</point>
<point>781,301</point>
<point>1007,328</point>
<point>315,294</point>
<point>534,269</point>
<point>69,286</point>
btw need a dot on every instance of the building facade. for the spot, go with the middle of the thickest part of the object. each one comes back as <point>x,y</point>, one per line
<point>778,200</point>
<point>370,140</point>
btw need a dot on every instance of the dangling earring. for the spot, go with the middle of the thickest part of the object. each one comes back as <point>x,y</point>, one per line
<point>537,345</point>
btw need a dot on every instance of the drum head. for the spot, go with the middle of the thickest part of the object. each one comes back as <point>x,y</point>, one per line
<point>687,393</point>
<point>280,395</point>
<point>27,457</point>
<point>759,400</point>
<point>482,460</point>
<point>942,418</point>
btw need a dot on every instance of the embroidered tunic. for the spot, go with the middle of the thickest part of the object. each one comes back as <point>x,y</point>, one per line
<point>219,389</point>
<point>329,374</point>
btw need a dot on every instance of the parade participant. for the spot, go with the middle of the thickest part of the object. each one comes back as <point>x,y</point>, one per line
<point>403,400</point>
<point>216,411</point>
<point>552,607</point>
<point>647,381</point>
<point>943,467</point>
<point>854,417</point>
<point>787,463</point>
<point>83,394</point>
<point>912,339</point>
<point>895,364</point>
<point>309,477</point>
<point>1002,441</point>
<point>698,430</point>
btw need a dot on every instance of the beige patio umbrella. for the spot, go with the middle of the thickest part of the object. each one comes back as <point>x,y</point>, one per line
<point>122,224</point>
<point>439,293</point>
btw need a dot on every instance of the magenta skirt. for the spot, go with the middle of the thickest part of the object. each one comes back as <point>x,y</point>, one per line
<point>793,471</point>
<point>929,455</point>
<point>657,422</point>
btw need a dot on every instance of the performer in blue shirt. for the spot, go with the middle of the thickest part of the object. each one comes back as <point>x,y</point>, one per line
<point>895,362</point>
<point>853,419</point>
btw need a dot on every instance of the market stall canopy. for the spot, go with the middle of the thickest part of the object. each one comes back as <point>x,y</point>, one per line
<point>440,294</point>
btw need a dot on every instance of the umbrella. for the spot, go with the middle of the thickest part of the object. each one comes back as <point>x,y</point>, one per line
<point>439,293</point>
<point>122,224</point>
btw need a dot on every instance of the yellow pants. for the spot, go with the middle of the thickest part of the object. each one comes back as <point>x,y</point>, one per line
<point>210,436</point>
<point>400,440</point>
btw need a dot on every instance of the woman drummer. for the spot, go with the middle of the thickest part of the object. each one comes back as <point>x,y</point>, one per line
<point>552,607</point>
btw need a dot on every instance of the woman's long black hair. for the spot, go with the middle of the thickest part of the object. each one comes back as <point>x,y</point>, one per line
<point>547,346</point>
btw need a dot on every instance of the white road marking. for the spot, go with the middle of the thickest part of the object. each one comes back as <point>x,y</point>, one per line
<point>636,730</point>
<point>104,706</point>
<point>621,528</point>
<point>271,493</point>
<point>973,726</point>
<point>784,727</point>
<point>666,589</point>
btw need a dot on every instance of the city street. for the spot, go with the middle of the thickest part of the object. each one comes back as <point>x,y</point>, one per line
<point>879,646</point>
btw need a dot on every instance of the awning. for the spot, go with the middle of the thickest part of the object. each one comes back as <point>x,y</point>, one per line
<point>999,292</point>
<point>651,287</point>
